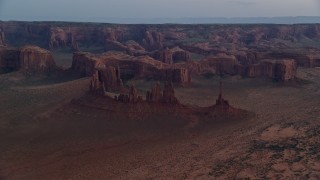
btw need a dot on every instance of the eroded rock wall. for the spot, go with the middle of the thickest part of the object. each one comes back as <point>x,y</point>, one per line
<point>9,59</point>
<point>130,67</point>
<point>36,60</point>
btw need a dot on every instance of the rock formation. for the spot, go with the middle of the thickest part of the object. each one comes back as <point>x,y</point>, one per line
<point>247,58</point>
<point>83,64</point>
<point>165,55</point>
<point>277,69</point>
<point>110,76</point>
<point>153,40</point>
<point>96,86</point>
<point>115,46</point>
<point>133,94</point>
<point>178,75</point>
<point>170,56</point>
<point>219,64</point>
<point>59,38</point>
<point>130,67</point>
<point>36,60</point>
<point>29,59</point>
<point>155,95</point>
<point>168,94</point>
<point>233,50</point>
<point>9,59</point>
<point>2,38</point>
<point>134,46</point>
<point>132,97</point>
<point>180,55</point>
<point>281,70</point>
<point>304,59</point>
<point>221,103</point>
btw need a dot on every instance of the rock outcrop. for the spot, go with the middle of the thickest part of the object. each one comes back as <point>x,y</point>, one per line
<point>36,60</point>
<point>106,79</point>
<point>247,58</point>
<point>303,58</point>
<point>29,59</point>
<point>155,95</point>
<point>221,103</point>
<point>110,77</point>
<point>277,69</point>
<point>180,55</point>
<point>167,96</point>
<point>96,84</point>
<point>281,70</point>
<point>83,64</point>
<point>171,56</point>
<point>178,75</point>
<point>59,38</point>
<point>115,46</point>
<point>130,67</point>
<point>219,64</point>
<point>2,38</point>
<point>132,97</point>
<point>132,45</point>
<point>9,59</point>
<point>153,40</point>
<point>165,56</point>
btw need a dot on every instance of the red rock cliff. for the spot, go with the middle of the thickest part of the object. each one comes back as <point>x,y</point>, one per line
<point>36,60</point>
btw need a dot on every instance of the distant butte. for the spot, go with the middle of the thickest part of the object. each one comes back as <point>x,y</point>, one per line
<point>28,59</point>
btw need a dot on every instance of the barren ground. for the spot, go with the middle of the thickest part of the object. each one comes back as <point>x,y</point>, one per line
<point>43,136</point>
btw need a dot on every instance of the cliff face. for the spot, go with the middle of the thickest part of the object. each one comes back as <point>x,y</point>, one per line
<point>130,67</point>
<point>171,56</point>
<point>30,59</point>
<point>176,50</point>
<point>23,33</point>
<point>153,40</point>
<point>36,60</point>
<point>110,76</point>
<point>305,59</point>
<point>281,70</point>
<point>151,37</point>
<point>83,64</point>
<point>277,69</point>
<point>9,59</point>
<point>2,38</point>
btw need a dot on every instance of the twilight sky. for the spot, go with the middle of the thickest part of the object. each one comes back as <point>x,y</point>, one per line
<point>90,10</point>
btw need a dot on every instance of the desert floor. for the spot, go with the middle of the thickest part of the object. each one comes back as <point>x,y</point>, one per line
<point>44,136</point>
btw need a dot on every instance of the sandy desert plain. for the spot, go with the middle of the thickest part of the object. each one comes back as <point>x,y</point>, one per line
<point>53,126</point>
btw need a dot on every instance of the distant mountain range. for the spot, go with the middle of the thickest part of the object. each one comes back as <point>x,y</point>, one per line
<point>191,20</point>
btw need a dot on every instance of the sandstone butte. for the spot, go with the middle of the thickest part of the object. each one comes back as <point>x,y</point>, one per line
<point>144,67</point>
<point>36,60</point>
<point>28,59</point>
